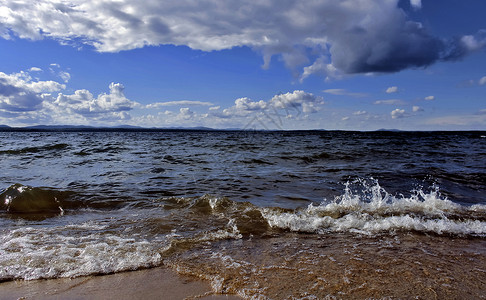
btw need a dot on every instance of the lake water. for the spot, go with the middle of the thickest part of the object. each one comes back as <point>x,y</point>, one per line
<point>269,215</point>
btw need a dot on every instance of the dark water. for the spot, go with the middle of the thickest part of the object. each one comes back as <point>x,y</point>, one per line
<point>261,214</point>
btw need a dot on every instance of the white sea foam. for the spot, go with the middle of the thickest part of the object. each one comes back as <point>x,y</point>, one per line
<point>373,210</point>
<point>231,232</point>
<point>30,253</point>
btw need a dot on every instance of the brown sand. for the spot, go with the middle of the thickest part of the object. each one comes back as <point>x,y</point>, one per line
<point>157,283</point>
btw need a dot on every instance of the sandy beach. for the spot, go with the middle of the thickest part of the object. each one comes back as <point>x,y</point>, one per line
<point>157,283</point>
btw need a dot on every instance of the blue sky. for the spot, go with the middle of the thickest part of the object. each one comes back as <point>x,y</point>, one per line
<point>352,64</point>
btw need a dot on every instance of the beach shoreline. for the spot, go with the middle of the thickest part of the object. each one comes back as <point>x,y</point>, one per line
<point>155,283</point>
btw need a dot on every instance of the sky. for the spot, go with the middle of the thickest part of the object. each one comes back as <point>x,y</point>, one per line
<point>268,64</point>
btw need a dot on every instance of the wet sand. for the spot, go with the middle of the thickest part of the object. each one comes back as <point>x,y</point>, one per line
<point>341,266</point>
<point>157,283</point>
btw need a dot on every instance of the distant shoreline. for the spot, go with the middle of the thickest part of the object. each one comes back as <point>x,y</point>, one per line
<point>70,128</point>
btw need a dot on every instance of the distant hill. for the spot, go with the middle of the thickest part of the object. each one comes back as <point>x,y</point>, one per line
<point>189,128</point>
<point>57,127</point>
<point>389,130</point>
<point>50,128</point>
<point>127,127</point>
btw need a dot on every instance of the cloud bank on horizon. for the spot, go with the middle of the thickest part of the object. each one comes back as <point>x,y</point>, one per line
<point>31,101</point>
<point>327,37</point>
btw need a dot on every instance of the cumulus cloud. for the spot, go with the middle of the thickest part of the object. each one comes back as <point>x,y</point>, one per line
<point>330,37</point>
<point>247,105</point>
<point>398,113</point>
<point>82,107</point>
<point>244,113</point>
<point>308,102</point>
<point>243,107</point>
<point>321,67</point>
<point>84,103</point>
<point>285,105</point>
<point>27,100</point>
<point>429,98</point>
<point>185,113</point>
<point>392,89</point>
<point>20,92</point>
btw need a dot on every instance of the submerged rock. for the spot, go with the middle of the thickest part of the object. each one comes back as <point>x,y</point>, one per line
<point>30,201</point>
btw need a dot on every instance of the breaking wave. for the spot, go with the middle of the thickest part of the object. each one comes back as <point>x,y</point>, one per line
<point>31,253</point>
<point>131,239</point>
<point>370,209</point>
<point>33,202</point>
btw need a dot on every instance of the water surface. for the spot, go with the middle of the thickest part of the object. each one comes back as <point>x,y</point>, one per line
<point>260,214</point>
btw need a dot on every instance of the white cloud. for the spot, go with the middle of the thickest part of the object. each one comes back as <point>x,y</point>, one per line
<point>246,113</point>
<point>65,76</point>
<point>482,81</point>
<point>417,109</point>
<point>185,113</point>
<point>429,98</point>
<point>248,105</point>
<point>321,67</point>
<point>56,70</point>
<point>417,4</point>
<point>308,102</point>
<point>392,89</point>
<point>178,103</point>
<point>360,113</point>
<point>24,100</point>
<point>35,69</point>
<point>472,43</point>
<point>398,113</point>
<point>343,92</point>
<point>82,107</point>
<point>20,92</point>
<point>84,103</point>
<point>347,37</point>
<point>243,107</point>
<point>390,102</point>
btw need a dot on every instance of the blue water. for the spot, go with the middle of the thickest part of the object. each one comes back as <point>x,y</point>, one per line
<point>83,203</point>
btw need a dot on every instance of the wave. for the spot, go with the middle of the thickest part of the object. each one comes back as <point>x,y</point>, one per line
<point>38,203</point>
<point>32,202</point>
<point>364,208</point>
<point>28,150</point>
<point>141,237</point>
<point>58,252</point>
<point>370,209</point>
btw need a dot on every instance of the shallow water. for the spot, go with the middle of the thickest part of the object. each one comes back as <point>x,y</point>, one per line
<point>260,214</point>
